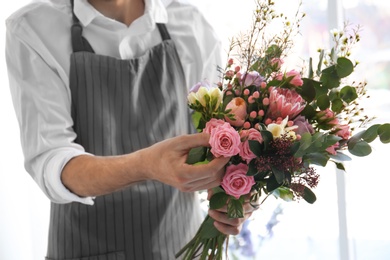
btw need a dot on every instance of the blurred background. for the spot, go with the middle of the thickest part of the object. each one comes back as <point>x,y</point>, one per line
<point>349,220</point>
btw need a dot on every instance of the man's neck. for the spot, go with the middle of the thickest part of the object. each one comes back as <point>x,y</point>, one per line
<point>124,11</point>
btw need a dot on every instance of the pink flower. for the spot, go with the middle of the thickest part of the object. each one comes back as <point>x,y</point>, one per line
<point>332,149</point>
<point>224,141</point>
<point>236,182</point>
<point>245,151</point>
<point>238,109</point>
<point>284,103</point>
<point>252,78</point>
<point>277,63</point>
<point>213,123</point>
<point>295,80</point>
<point>343,131</point>
<point>327,118</point>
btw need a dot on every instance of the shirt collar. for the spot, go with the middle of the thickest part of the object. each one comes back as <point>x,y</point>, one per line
<point>155,12</point>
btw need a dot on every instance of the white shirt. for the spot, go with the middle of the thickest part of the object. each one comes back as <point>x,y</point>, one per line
<point>38,48</point>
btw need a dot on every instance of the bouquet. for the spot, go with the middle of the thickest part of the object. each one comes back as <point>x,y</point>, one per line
<point>275,123</point>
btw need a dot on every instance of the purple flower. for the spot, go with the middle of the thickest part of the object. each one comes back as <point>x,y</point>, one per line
<point>252,78</point>
<point>196,87</point>
<point>303,125</point>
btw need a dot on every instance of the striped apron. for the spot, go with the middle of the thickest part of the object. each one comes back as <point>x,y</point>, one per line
<point>120,106</point>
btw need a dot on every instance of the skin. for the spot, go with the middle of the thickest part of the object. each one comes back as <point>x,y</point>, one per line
<point>88,175</point>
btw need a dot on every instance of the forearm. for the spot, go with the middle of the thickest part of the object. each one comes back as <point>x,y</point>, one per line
<point>87,175</point>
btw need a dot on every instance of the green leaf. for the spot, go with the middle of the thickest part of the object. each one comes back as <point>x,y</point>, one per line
<point>348,94</point>
<point>267,138</point>
<point>284,193</point>
<point>256,147</point>
<point>371,133</point>
<point>272,184</point>
<point>384,133</point>
<point>330,78</point>
<point>310,70</point>
<point>304,143</point>
<point>218,200</point>
<point>344,67</point>
<point>340,166</point>
<point>196,155</point>
<point>321,57</point>
<point>252,169</point>
<point>316,158</point>
<point>309,112</point>
<point>235,208</point>
<point>279,174</point>
<point>323,102</point>
<point>197,120</point>
<point>308,91</point>
<point>360,148</point>
<point>207,230</point>
<point>309,195</point>
<point>337,105</point>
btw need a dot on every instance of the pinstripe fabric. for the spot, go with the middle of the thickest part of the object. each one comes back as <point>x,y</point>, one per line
<point>119,106</point>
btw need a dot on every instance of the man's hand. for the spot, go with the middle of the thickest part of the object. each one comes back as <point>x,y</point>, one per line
<point>166,162</point>
<point>226,225</point>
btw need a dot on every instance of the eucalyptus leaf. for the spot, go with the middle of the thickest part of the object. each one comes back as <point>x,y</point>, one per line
<point>316,158</point>
<point>308,91</point>
<point>329,78</point>
<point>344,67</point>
<point>384,133</point>
<point>337,105</point>
<point>360,148</point>
<point>323,102</point>
<point>348,94</point>
<point>371,133</point>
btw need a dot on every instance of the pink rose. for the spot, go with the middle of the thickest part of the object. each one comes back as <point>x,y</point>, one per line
<point>332,149</point>
<point>224,141</point>
<point>236,182</point>
<point>238,109</point>
<point>296,80</point>
<point>246,135</point>
<point>213,123</point>
<point>277,63</point>
<point>343,131</point>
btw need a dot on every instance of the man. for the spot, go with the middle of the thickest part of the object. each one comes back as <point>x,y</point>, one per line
<point>99,89</point>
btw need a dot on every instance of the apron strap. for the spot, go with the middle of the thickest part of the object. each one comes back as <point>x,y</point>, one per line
<point>163,31</point>
<point>79,43</point>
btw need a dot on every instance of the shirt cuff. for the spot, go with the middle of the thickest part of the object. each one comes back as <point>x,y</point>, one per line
<point>56,190</point>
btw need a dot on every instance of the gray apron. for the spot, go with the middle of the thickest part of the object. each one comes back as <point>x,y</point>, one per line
<point>120,106</point>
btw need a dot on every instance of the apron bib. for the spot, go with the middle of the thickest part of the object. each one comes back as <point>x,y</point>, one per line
<point>120,106</point>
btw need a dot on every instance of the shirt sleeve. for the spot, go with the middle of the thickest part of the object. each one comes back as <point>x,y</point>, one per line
<point>42,104</point>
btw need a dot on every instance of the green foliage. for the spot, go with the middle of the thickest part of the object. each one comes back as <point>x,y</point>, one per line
<point>235,207</point>
<point>308,195</point>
